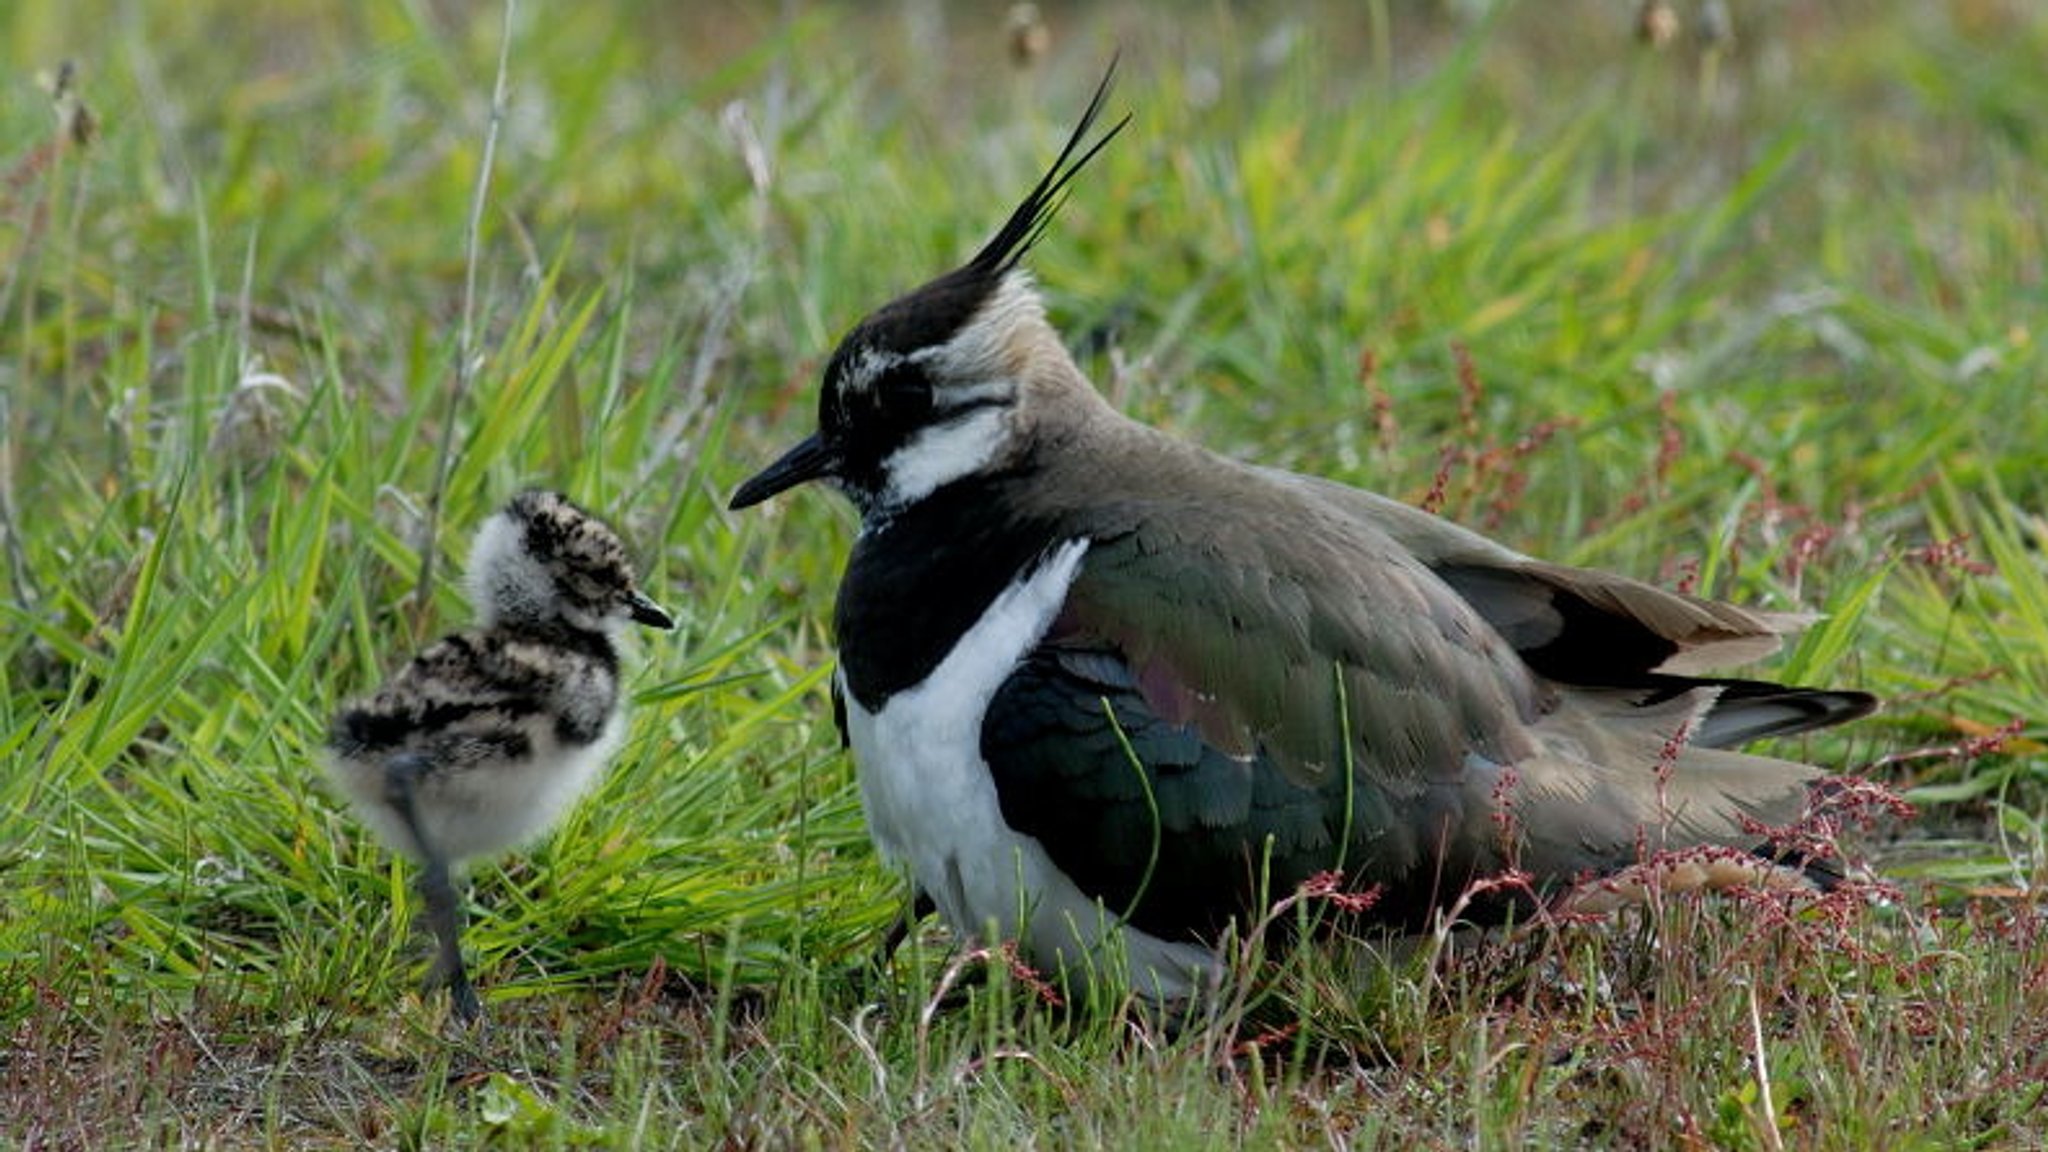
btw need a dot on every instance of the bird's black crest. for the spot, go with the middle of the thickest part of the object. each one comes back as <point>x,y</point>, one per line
<point>933,313</point>
<point>1029,221</point>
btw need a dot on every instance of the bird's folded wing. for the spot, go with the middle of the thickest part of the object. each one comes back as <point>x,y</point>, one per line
<point>1180,741</point>
<point>1576,625</point>
<point>1314,644</point>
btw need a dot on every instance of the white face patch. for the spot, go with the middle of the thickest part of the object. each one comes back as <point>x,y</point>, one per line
<point>981,350</point>
<point>974,372</point>
<point>938,455</point>
<point>984,394</point>
<point>903,442</point>
<point>503,577</point>
<point>943,454</point>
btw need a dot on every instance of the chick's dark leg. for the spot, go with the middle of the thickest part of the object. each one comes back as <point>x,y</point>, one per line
<point>444,917</point>
<point>437,889</point>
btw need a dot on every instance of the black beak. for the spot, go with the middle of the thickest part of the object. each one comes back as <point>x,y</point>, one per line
<point>645,611</point>
<point>808,461</point>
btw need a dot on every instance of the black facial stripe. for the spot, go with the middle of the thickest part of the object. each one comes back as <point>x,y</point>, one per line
<point>949,412</point>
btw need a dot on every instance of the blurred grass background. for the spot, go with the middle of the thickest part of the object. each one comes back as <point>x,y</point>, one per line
<point>1743,296</point>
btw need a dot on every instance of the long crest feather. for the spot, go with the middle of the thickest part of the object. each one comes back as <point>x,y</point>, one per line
<point>937,311</point>
<point>1025,225</point>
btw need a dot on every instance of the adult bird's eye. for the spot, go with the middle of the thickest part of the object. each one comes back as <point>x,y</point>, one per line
<point>904,394</point>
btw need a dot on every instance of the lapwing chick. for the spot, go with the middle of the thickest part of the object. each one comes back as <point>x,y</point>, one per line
<point>487,737</point>
<point>1103,685</point>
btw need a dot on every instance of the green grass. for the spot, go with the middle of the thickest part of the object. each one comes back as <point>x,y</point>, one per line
<point>1764,317</point>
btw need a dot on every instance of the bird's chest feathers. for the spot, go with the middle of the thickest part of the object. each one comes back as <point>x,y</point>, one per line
<point>915,588</point>
<point>929,797</point>
<point>551,720</point>
<point>522,798</point>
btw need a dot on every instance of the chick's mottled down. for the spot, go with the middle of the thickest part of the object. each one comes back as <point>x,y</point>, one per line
<point>482,741</point>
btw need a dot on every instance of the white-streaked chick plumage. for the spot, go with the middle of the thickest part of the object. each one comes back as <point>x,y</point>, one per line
<point>483,741</point>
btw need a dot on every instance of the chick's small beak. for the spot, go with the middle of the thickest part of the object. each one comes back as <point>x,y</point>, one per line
<point>645,611</point>
<point>810,460</point>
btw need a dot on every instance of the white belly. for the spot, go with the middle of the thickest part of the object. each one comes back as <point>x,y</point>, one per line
<point>487,808</point>
<point>485,812</point>
<point>931,805</point>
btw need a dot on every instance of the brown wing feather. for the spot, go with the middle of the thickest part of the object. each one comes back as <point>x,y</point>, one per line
<point>1251,627</point>
<point>1279,614</point>
<point>1536,604</point>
